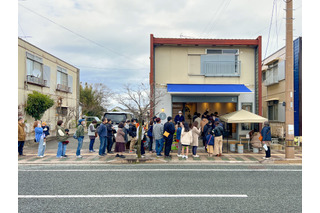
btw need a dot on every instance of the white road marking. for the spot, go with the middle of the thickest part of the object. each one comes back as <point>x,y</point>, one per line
<point>136,196</point>
<point>162,170</point>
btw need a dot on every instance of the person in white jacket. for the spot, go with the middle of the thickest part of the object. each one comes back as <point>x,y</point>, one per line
<point>186,139</point>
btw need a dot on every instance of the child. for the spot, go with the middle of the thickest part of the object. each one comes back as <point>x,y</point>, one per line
<point>210,143</point>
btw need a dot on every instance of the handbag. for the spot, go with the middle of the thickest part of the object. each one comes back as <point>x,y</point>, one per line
<point>166,134</point>
<point>261,138</point>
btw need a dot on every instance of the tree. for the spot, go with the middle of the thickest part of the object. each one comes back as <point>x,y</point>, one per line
<point>37,104</point>
<point>138,100</point>
<point>95,99</point>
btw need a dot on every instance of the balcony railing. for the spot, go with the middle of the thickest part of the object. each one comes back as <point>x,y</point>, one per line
<point>221,68</point>
<point>63,88</point>
<point>37,81</point>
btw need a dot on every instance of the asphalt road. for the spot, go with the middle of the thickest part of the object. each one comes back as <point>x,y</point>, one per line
<point>167,188</point>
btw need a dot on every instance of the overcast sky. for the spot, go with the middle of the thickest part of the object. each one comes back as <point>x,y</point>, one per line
<point>109,40</point>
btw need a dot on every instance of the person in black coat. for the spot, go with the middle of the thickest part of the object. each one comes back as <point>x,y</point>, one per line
<point>110,130</point>
<point>169,127</point>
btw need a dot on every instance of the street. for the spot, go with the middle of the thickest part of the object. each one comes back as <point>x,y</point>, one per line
<point>160,188</point>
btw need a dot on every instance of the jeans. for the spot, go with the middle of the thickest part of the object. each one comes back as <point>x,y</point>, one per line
<point>80,142</point>
<point>168,145</point>
<point>41,147</point>
<point>110,143</point>
<point>159,146</point>
<point>194,150</point>
<point>179,147</point>
<point>20,147</point>
<point>268,153</point>
<point>91,144</point>
<point>103,145</point>
<point>62,148</point>
<point>150,143</point>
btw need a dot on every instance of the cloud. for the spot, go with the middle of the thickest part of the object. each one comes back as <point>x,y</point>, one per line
<point>109,40</point>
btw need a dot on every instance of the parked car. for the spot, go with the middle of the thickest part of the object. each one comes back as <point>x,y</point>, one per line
<point>117,117</point>
<point>89,120</point>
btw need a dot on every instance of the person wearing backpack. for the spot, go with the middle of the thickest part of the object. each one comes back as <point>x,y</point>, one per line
<point>218,142</point>
<point>210,143</point>
<point>80,136</point>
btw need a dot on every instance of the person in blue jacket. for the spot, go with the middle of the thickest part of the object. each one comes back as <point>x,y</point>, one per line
<point>266,134</point>
<point>39,137</point>
<point>102,132</point>
<point>168,127</point>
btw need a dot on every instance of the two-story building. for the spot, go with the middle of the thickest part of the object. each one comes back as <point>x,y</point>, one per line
<point>198,75</point>
<point>273,89</point>
<point>40,71</point>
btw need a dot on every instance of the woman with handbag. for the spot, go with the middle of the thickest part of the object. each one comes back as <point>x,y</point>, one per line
<point>266,139</point>
<point>62,136</point>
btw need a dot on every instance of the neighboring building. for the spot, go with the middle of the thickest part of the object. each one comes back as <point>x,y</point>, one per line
<point>195,75</point>
<point>45,73</point>
<point>273,89</point>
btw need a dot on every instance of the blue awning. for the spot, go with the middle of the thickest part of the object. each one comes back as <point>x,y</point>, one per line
<point>207,88</point>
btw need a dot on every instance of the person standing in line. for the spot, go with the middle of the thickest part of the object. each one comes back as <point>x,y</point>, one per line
<point>39,136</point>
<point>210,143</point>
<point>133,134</point>
<point>186,139</point>
<point>110,130</point>
<point>179,118</point>
<point>21,135</point>
<point>198,119</point>
<point>80,136</point>
<point>142,138</point>
<point>126,130</point>
<point>102,132</point>
<point>158,136</point>
<point>203,122</point>
<point>62,137</point>
<point>218,142</point>
<point>169,128</point>
<point>120,141</point>
<point>207,130</point>
<point>266,138</point>
<point>178,138</point>
<point>196,131</point>
<point>46,130</point>
<point>92,135</point>
<point>149,134</point>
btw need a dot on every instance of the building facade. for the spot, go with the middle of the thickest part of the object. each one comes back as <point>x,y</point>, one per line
<point>42,72</point>
<point>198,75</point>
<point>273,89</point>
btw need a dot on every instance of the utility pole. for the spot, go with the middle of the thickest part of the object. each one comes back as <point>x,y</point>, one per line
<point>289,81</point>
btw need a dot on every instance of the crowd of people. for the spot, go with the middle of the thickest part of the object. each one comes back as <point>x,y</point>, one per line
<point>157,137</point>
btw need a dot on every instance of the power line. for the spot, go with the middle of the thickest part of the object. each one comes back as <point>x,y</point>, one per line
<point>269,29</point>
<point>77,34</point>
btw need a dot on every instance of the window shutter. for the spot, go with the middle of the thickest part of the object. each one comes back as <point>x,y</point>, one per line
<point>282,70</point>
<point>46,75</point>
<point>70,83</point>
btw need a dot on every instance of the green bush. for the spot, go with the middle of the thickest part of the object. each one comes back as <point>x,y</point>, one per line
<point>37,104</point>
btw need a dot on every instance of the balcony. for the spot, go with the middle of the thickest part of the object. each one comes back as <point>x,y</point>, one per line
<point>221,68</point>
<point>36,81</point>
<point>63,88</point>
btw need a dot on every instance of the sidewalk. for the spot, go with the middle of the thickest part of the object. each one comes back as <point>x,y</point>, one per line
<point>277,157</point>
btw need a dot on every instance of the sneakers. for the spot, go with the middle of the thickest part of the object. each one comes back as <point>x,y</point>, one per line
<point>179,156</point>
<point>195,156</point>
<point>122,156</point>
<point>79,156</point>
<point>117,155</point>
<point>185,156</point>
<point>92,151</point>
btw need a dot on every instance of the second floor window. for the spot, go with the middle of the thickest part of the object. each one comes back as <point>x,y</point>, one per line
<point>64,81</point>
<point>220,62</point>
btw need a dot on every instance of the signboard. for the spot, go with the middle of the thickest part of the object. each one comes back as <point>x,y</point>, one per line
<point>290,129</point>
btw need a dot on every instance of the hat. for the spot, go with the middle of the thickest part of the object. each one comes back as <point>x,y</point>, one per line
<point>80,121</point>
<point>180,112</point>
